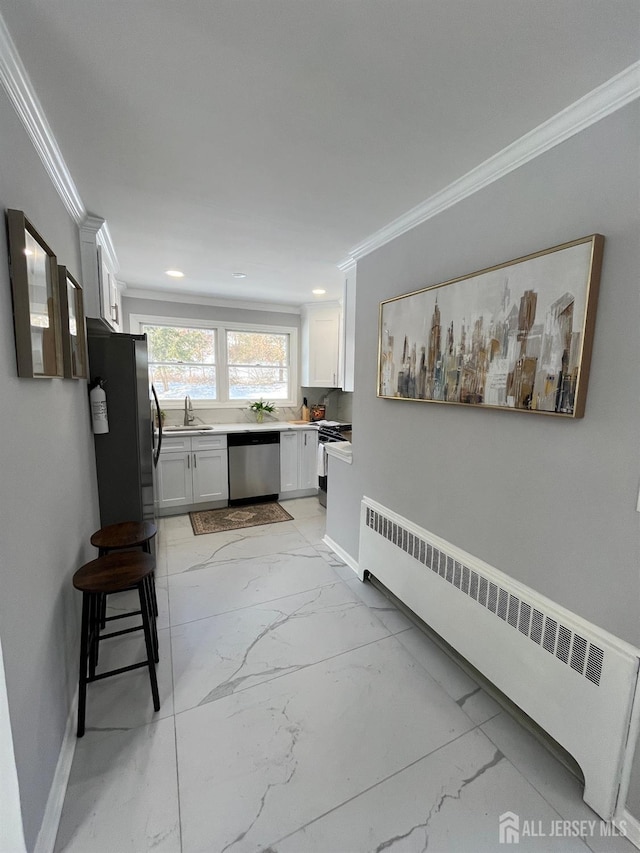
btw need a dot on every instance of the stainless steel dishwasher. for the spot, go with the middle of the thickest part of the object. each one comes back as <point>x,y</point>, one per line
<point>254,466</point>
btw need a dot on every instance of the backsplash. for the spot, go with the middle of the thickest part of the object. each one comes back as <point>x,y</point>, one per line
<point>338,405</point>
<point>338,402</point>
<point>175,417</point>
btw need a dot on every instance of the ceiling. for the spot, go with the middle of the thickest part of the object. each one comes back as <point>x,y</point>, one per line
<point>270,136</point>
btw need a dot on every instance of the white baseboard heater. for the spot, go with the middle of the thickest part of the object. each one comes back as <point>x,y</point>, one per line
<point>573,679</point>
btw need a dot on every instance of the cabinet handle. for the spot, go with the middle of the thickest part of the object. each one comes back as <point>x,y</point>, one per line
<point>305,439</point>
<point>195,461</point>
<point>334,379</point>
<point>189,461</point>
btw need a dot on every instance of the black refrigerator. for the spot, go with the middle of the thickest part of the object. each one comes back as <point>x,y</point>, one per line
<point>127,454</point>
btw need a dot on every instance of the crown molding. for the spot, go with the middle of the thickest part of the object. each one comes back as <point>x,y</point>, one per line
<point>194,299</point>
<point>92,224</point>
<point>591,108</point>
<point>96,230</point>
<point>104,239</point>
<point>22,95</point>
<point>347,264</point>
<point>601,102</point>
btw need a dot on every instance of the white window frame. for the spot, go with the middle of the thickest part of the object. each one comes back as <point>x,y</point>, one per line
<point>136,321</point>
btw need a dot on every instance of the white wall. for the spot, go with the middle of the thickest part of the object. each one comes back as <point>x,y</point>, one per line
<point>190,310</point>
<point>10,811</point>
<point>551,502</point>
<point>48,501</point>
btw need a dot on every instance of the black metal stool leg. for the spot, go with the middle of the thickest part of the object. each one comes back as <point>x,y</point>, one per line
<point>147,549</point>
<point>146,622</point>
<point>154,599</point>
<point>94,631</point>
<point>154,628</point>
<point>82,683</point>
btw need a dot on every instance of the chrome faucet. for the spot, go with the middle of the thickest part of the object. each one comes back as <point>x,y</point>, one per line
<point>189,417</point>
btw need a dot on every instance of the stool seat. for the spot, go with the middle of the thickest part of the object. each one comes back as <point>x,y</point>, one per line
<point>123,535</point>
<point>115,572</point>
<point>126,534</point>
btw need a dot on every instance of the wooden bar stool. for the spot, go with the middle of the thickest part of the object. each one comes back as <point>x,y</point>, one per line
<point>126,535</point>
<point>112,573</point>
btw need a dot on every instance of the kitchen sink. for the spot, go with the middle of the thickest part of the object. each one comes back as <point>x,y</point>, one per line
<point>190,428</point>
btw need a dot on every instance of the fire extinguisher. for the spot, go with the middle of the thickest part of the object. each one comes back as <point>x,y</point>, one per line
<point>98,399</point>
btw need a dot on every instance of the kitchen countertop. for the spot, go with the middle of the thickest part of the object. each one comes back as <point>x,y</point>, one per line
<point>273,426</point>
<point>340,450</point>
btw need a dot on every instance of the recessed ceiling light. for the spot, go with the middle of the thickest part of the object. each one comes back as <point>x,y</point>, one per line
<point>175,273</point>
<point>239,274</point>
<point>318,291</point>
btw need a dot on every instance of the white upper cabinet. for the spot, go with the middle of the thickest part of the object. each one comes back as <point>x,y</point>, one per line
<point>321,345</point>
<point>102,291</point>
<point>348,329</point>
<point>328,339</point>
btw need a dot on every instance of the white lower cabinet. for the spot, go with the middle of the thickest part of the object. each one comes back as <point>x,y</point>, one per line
<point>299,460</point>
<point>175,484</point>
<point>210,478</point>
<point>308,464</point>
<point>192,471</point>
<point>289,455</point>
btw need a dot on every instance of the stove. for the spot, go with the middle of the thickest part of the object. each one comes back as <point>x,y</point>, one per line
<point>333,431</point>
<point>329,431</point>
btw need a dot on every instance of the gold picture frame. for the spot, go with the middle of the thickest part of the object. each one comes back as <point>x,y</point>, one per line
<point>517,336</point>
<point>74,346</point>
<point>36,300</point>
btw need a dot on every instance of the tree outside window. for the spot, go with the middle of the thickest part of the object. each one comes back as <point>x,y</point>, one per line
<point>182,361</point>
<point>258,365</point>
<point>239,365</point>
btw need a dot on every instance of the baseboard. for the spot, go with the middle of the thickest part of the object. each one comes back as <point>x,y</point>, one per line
<point>344,556</point>
<point>297,493</point>
<point>167,512</point>
<point>53,811</point>
<point>631,826</point>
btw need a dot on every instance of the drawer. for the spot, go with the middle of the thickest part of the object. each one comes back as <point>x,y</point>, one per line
<point>175,443</point>
<point>209,442</point>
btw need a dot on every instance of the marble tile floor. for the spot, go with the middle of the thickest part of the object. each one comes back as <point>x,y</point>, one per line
<point>301,712</point>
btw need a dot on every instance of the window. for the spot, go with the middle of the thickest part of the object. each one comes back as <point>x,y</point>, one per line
<point>258,365</point>
<point>182,361</point>
<point>220,364</point>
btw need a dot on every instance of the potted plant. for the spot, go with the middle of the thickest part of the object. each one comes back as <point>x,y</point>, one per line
<point>260,407</point>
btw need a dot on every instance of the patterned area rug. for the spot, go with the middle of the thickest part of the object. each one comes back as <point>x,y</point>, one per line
<point>233,517</point>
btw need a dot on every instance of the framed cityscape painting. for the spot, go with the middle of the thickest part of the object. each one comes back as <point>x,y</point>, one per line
<point>516,336</point>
